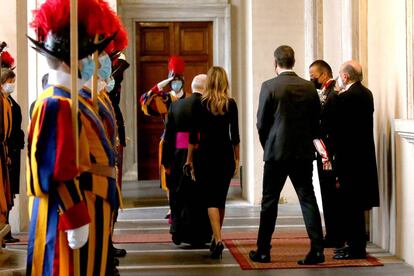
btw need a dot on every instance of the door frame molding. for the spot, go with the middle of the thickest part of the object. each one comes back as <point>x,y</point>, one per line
<point>132,11</point>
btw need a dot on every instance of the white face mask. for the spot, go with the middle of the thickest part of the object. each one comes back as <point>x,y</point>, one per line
<point>8,88</point>
<point>341,83</point>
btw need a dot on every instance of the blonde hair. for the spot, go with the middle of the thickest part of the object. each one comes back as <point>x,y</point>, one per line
<point>217,87</point>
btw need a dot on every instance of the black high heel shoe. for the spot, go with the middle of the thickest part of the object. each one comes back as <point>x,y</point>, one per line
<point>217,251</point>
<point>212,245</point>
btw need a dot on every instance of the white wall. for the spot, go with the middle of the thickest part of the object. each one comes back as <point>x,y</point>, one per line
<point>12,30</point>
<point>405,194</point>
<point>387,59</point>
<point>386,63</point>
<point>274,23</point>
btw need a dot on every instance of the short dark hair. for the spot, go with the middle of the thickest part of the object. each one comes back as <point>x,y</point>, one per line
<point>322,66</point>
<point>285,56</point>
<point>353,74</point>
<point>6,74</point>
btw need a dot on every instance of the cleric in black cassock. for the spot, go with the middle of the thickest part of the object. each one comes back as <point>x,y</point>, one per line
<point>355,158</point>
<point>190,223</point>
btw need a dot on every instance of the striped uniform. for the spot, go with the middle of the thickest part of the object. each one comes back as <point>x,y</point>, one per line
<point>157,104</point>
<point>107,115</point>
<point>6,200</point>
<point>56,201</point>
<point>99,185</point>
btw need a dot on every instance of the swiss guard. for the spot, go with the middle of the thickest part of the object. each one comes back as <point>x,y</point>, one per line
<point>106,112</point>
<point>6,194</point>
<point>71,205</point>
<point>157,100</point>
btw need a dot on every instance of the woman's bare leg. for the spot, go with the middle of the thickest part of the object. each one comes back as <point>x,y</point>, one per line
<point>214,216</point>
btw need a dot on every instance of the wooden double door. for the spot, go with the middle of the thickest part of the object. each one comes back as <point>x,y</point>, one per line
<point>156,42</point>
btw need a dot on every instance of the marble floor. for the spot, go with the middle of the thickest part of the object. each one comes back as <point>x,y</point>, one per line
<point>146,206</point>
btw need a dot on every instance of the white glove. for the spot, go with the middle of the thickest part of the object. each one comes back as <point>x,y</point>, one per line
<point>164,83</point>
<point>78,237</point>
<point>157,88</point>
<point>321,149</point>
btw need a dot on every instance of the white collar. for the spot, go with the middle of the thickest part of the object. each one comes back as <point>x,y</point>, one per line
<point>179,94</point>
<point>348,85</point>
<point>60,78</point>
<point>285,70</point>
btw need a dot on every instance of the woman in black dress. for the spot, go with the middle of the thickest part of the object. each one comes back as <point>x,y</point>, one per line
<point>216,134</point>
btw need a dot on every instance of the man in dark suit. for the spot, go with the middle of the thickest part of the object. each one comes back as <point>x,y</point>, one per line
<point>190,223</point>
<point>288,122</point>
<point>355,158</point>
<point>321,75</point>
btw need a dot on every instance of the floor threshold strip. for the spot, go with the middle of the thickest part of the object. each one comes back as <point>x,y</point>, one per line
<point>227,218</point>
<point>145,267</point>
<point>224,227</point>
<point>178,250</point>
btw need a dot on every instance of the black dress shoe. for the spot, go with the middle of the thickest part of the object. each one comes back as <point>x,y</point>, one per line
<point>115,262</point>
<point>341,250</point>
<point>176,239</point>
<point>115,272</point>
<point>11,240</point>
<point>119,252</point>
<point>259,257</point>
<point>350,256</point>
<point>313,258</point>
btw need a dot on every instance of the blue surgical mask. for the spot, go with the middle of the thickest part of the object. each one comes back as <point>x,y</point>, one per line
<point>105,70</point>
<point>88,68</point>
<point>8,88</point>
<point>176,85</point>
<point>110,84</point>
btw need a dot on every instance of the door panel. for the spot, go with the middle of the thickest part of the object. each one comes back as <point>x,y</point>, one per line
<point>156,42</point>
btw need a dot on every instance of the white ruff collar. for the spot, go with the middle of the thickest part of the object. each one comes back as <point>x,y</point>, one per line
<point>60,78</point>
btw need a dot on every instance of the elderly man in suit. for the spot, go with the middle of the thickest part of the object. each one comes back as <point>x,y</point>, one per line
<point>190,222</point>
<point>355,158</point>
<point>288,122</point>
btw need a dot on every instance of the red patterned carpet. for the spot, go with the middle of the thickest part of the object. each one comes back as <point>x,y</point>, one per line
<point>166,237</point>
<point>233,235</point>
<point>285,254</point>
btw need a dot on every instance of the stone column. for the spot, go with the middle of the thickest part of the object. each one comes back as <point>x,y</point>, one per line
<point>313,31</point>
<point>14,15</point>
<point>350,29</point>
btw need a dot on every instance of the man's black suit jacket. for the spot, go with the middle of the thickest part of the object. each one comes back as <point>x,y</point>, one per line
<point>288,118</point>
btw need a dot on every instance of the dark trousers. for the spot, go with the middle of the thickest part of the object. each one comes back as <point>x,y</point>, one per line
<point>274,178</point>
<point>174,184</point>
<point>355,229</point>
<point>332,205</point>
